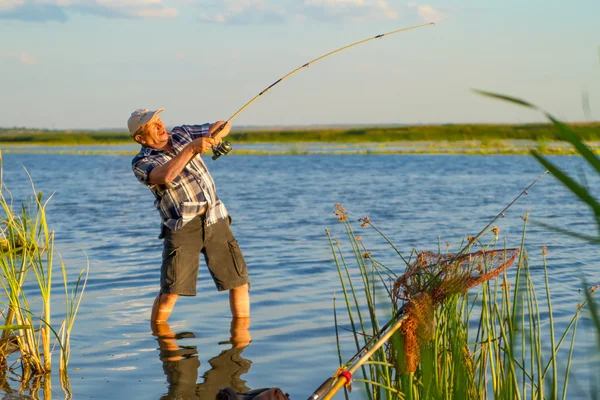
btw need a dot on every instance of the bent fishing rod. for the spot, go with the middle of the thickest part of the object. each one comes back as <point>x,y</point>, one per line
<point>225,147</point>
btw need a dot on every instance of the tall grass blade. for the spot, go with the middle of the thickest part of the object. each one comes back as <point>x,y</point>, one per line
<point>576,235</point>
<point>27,255</point>
<point>575,187</point>
<point>568,135</point>
<point>506,98</point>
<point>553,361</point>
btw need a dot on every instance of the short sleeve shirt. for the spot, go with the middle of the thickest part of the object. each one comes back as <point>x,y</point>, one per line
<point>190,192</point>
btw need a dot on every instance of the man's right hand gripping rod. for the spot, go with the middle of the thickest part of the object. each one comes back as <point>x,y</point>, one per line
<point>222,148</point>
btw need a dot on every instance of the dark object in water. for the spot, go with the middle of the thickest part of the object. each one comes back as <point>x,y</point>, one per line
<point>257,394</point>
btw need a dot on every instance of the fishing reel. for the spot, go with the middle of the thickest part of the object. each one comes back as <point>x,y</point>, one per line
<point>221,149</point>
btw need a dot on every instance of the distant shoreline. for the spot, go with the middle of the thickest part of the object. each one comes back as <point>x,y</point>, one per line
<point>482,139</point>
<point>485,133</point>
<point>469,147</point>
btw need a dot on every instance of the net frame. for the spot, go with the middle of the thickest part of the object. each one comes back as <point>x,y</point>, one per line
<point>432,278</point>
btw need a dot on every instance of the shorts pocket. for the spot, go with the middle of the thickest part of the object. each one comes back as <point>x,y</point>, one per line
<point>238,258</point>
<point>169,268</point>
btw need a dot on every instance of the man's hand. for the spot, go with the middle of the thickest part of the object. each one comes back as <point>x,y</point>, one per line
<point>202,145</point>
<point>224,132</point>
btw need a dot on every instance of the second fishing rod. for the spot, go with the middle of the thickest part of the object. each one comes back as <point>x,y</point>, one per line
<point>225,147</point>
<point>344,375</point>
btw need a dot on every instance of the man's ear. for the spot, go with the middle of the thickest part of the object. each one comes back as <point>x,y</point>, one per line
<point>138,138</point>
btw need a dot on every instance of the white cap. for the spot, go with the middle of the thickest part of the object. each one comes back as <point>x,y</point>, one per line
<point>140,117</point>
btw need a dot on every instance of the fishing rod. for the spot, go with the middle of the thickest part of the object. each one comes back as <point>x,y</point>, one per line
<point>225,147</point>
<point>500,215</point>
<point>343,376</point>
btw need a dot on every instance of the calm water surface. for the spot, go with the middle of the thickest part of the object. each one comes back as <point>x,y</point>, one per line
<point>280,206</point>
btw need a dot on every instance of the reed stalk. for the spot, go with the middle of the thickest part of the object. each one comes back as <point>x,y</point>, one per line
<point>27,254</point>
<point>566,133</point>
<point>486,344</point>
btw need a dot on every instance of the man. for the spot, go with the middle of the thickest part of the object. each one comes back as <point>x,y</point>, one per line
<point>194,220</point>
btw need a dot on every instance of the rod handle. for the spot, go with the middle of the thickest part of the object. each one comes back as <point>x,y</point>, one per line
<point>219,129</point>
<point>222,148</point>
<point>338,385</point>
<point>325,386</point>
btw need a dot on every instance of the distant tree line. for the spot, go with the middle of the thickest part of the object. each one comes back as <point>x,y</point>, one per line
<point>447,132</point>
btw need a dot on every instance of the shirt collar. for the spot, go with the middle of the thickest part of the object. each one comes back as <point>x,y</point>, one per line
<point>149,151</point>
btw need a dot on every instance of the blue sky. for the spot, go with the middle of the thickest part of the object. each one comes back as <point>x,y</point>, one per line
<point>69,64</point>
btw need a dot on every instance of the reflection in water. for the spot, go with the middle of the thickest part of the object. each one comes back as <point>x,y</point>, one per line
<point>180,363</point>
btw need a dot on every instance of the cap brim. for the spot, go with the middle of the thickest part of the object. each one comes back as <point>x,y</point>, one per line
<point>149,116</point>
<point>154,114</point>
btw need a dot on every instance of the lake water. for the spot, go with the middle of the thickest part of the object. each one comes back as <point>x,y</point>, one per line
<point>281,206</point>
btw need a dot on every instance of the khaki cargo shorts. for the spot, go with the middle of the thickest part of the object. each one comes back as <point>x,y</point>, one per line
<point>181,257</point>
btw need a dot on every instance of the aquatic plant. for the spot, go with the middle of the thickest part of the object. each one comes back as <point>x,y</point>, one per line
<point>491,342</point>
<point>566,133</point>
<point>27,263</point>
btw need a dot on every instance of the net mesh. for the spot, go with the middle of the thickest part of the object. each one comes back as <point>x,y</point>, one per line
<point>431,279</point>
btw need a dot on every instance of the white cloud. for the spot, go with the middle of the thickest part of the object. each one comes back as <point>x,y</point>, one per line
<point>163,12</point>
<point>246,12</point>
<point>219,11</point>
<point>141,8</point>
<point>387,10</point>
<point>6,5</point>
<point>22,57</point>
<point>220,18</point>
<point>44,10</point>
<point>269,11</point>
<point>335,3</point>
<point>237,6</point>
<point>353,10</point>
<point>27,59</point>
<point>428,13</point>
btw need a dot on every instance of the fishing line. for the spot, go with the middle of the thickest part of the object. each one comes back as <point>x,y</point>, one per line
<point>225,147</point>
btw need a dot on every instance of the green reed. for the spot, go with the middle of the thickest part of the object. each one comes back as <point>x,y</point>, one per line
<point>27,255</point>
<point>565,132</point>
<point>491,342</point>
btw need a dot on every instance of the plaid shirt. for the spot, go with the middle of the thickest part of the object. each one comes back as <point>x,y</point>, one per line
<point>186,196</point>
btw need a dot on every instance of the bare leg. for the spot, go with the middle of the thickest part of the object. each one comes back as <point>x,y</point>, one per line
<point>239,301</point>
<point>240,334</point>
<point>161,310</point>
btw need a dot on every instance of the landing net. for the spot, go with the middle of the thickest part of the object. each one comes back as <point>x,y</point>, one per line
<point>431,279</point>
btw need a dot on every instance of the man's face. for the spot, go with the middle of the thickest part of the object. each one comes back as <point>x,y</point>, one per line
<point>155,134</point>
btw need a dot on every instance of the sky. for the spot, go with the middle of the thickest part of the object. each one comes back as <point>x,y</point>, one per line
<point>87,64</point>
